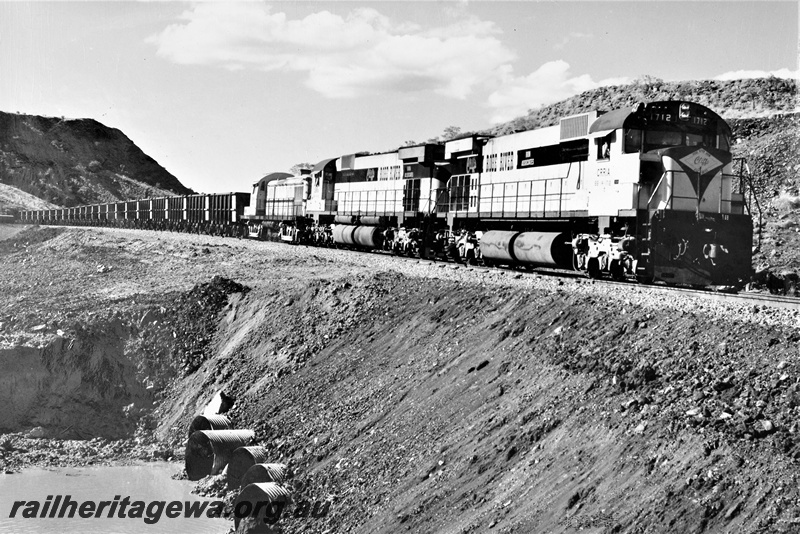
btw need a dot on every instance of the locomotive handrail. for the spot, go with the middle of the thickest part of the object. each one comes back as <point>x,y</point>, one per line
<point>746,182</point>
<point>388,201</point>
<point>351,202</point>
<point>493,199</point>
<point>370,202</point>
<point>436,204</point>
<point>655,190</point>
<point>284,208</point>
<point>668,204</point>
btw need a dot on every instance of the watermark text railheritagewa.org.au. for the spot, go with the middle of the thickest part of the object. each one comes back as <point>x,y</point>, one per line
<point>62,506</point>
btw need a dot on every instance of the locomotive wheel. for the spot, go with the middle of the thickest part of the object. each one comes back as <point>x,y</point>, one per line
<point>471,258</point>
<point>617,270</point>
<point>593,267</point>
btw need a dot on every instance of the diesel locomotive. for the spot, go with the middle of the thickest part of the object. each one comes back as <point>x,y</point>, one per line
<point>648,192</point>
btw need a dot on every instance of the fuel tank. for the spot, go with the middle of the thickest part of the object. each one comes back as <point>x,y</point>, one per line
<point>547,249</point>
<point>368,236</point>
<point>381,220</point>
<point>343,234</point>
<point>363,236</point>
<point>498,245</point>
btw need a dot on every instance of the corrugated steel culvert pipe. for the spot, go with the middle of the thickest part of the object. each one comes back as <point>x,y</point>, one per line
<point>260,505</point>
<point>277,473</point>
<point>241,460</point>
<point>210,422</point>
<point>208,451</point>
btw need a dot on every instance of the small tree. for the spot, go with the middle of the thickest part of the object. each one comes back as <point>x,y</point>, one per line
<point>647,79</point>
<point>451,132</point>
<point>299,167</point>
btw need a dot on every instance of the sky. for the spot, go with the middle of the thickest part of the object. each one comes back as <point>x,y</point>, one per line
<point>222,93</point>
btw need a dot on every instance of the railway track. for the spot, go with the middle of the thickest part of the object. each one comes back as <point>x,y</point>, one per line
<point>744,298</point>
<point>748,299</point>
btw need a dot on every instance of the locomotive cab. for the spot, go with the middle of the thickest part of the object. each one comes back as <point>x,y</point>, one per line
<point>690,219</point>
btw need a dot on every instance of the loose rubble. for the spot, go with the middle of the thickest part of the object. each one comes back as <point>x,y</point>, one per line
<point>413,398</point>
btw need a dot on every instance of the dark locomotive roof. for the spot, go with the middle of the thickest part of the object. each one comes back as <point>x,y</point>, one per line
<point>272,176</point>
<point>640,114</point>
<point>322,164</point>
<point>610,121</point>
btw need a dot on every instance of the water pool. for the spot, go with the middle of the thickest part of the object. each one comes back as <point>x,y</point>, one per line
<point>147,483</point>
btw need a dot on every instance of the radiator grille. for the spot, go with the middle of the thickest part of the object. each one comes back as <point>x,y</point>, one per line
<point>577,126</point>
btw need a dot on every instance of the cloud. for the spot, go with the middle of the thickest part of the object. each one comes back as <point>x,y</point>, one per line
<point>362,53</point>
<point>747,74</point>
<point>571,36</point>
<point>550,83</point>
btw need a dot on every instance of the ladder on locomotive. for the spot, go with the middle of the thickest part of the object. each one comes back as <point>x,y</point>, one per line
<point>643,236</point>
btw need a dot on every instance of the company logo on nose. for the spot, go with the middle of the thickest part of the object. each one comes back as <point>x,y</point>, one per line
<point>700,161</point>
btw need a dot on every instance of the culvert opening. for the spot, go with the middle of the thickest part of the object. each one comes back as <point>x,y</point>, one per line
<point>241,460</point>
<point>210,422</point>
<point>265,502</point>
<point>260,473</point>
<point>208,451</point>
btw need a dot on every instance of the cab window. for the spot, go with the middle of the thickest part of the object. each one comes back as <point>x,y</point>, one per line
<point>604,145</point>
<point>654,139</point>
<point>633,141</point>
<point>696,140</point>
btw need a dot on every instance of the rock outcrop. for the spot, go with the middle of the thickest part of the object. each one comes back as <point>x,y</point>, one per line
<point>73,162</point>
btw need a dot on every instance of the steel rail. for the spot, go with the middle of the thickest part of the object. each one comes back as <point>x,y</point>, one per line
<point>746,298</point>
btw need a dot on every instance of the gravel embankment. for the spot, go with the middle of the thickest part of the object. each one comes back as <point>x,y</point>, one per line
<point>419,396</point>
<point>77,271</point>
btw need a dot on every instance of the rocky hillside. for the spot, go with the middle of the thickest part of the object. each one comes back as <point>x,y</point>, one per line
<point>771,146</point>
<point>761,97</point>
<point>76,162</point>
<point>13,200</point>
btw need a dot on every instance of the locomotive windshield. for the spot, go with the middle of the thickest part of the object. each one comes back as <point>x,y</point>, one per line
<point>659,125</point>
<point>637,140</point>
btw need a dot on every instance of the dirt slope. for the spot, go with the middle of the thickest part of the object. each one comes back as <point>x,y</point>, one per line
<point>13,199</point>
<point>427,406</point>
<point>421,398</point>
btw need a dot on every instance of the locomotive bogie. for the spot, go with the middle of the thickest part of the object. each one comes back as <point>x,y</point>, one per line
<point>688,250</point>
<point>597,254</point>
